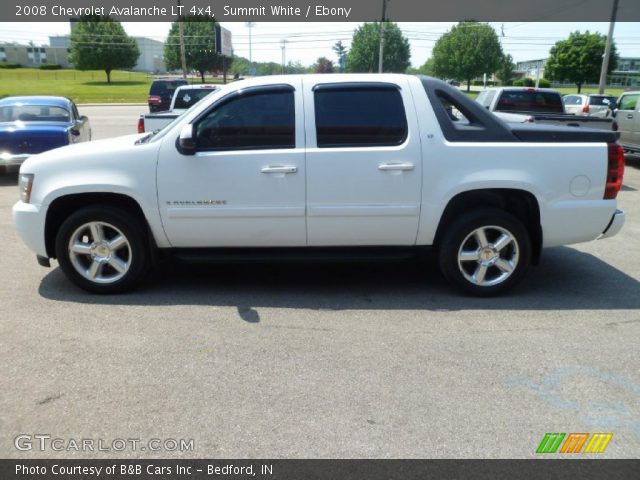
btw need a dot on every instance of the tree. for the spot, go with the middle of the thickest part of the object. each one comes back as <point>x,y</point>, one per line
<point>504,73</point>
<point>323,65</point>
<point>341,52</point>
<point>426,68</point>
<point>578,59</point>
<point>199,46</point>
<point>100,43</point>
<point>296,67</point>
<point>365,49</point>
<point>467,51</point>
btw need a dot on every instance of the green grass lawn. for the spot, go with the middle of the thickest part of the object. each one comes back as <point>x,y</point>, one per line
<point>81,87</point>
<point>125,87</point>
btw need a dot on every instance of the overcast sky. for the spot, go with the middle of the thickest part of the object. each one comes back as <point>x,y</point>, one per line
<point>308,41</point>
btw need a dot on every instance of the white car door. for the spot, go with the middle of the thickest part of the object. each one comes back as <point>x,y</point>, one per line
<point>364,166</point>
<point>245,185</point>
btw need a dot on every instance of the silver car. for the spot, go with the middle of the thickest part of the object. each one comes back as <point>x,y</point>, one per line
<point>592,105</point>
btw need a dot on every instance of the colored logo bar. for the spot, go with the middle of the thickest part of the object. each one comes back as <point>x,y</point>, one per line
<point>573,442</point>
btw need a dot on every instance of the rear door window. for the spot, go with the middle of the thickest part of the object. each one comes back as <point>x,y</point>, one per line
<point>359,115</point>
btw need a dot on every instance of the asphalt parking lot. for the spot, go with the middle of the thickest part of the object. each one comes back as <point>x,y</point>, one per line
<point>323,361</point>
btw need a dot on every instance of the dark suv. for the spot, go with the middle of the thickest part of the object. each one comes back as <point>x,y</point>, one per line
<point>161,92</point>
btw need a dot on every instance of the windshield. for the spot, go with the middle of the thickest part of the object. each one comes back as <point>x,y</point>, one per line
<point>530,101</point>
<point>33,113</point>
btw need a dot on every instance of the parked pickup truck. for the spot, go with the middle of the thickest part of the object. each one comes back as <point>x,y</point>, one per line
<point>536,105</point>
<point>323,167</point>
<point>183,99</point>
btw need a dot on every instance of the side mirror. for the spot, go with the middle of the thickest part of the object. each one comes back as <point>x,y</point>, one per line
<point>84,118</point>
<point>75,132</point>
<point>186,143</point>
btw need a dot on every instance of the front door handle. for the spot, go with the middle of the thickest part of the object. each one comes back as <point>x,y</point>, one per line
<point>280,169</point>
<point>395,166</point>
<point>630,116</point>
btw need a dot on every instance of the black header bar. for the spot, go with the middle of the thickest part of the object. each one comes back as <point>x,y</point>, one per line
<point>114,469</point>
<point>323,10</point>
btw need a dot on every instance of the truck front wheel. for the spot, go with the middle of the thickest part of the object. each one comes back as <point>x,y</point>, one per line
<point>102,249</point>
<point>485,252</point>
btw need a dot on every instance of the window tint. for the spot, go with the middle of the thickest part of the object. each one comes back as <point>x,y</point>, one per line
<point>188,98</point>
<point>264,119</point>
<point>529,101</point>
<point>628,102</point>
<point>359,116</point>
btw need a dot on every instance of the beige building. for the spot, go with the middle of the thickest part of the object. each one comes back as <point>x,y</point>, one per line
<point>33,55</point>
<point>151,57</point>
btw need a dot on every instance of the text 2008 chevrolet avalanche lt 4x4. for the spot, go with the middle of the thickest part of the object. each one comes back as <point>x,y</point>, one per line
<point>318,165</point>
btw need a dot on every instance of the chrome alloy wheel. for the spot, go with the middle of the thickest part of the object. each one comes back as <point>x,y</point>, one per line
<point>488,256</point>
<point>100,252</point>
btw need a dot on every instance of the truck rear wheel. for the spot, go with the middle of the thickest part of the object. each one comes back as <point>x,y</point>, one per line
<point>485,252</point>
<point>102,249</point>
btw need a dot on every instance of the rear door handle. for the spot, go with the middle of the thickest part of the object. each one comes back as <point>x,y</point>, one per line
<point>395,166</point>
<point>629,116</point>
<point>280,169</point>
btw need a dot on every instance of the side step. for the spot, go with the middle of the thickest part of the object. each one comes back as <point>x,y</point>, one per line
<point>293,255</point>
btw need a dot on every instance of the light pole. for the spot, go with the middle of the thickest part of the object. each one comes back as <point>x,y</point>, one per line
<point>381,53</point>
<point>183,56</point>
<point>607,49</point>
<point>283,46</point>
<point>250,25</point>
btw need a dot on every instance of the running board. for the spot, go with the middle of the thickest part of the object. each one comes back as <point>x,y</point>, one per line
<point>293,255</point>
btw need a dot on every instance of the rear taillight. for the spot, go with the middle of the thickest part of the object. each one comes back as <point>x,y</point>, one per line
<point>585,109</point>
<point>615,171</point>
<point>141,125</point>
<point>155,99</point>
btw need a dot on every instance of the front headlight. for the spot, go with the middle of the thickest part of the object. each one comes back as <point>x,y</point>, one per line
<point>25,183</point>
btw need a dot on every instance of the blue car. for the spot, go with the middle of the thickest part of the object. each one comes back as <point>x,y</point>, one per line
<point>30,125</point>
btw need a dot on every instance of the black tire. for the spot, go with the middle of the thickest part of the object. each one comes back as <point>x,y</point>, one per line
<point>494,223</point>
<point>113,221</point>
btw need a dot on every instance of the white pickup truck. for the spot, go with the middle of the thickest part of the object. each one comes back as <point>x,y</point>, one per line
<point>537,105</point>
<point>183,99</point>
<point>323,166</point>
